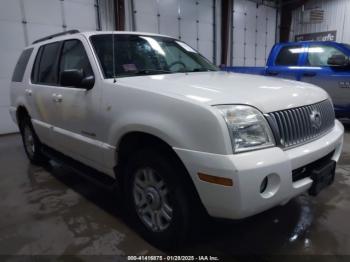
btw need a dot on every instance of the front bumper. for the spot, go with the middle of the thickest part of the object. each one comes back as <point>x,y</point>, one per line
<point>247,170</point>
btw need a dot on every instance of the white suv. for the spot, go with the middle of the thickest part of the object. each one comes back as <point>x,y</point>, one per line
<point>176,134</point>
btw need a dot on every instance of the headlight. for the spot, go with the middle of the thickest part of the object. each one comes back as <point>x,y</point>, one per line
<point>248,128</point>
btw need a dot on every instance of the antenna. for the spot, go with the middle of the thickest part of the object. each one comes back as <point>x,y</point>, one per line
<point>113,59</point>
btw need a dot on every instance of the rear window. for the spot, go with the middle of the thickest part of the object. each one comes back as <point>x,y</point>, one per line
<point>45,67</point>
<point>21,65</point>
<point>289,56</point>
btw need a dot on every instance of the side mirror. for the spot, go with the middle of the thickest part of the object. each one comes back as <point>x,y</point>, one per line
<point>338,60</point>
<point>88,82</point>
<point>74,77</point>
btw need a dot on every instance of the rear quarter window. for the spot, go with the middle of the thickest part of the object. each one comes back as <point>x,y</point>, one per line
<point>21,65</point>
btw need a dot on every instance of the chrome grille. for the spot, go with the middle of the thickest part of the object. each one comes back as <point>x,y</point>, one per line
<point>299,125</point>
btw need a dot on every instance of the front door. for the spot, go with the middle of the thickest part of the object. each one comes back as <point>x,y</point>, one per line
<point>77,132</point>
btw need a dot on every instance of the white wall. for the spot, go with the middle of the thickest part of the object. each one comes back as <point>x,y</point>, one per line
<point>189,20</point>
<point>336,17</point>
<point>254,33</point>
<point>23,21</point>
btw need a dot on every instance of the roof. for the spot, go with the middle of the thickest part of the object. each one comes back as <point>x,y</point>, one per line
<point>89,33</point>
<point>309,42</point>
<point>69,34</point>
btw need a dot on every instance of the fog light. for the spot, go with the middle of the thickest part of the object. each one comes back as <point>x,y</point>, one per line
<point>270,185</point>
<point>263,185</point>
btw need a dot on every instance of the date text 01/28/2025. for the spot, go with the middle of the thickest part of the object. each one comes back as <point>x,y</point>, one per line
<point>173,258</point>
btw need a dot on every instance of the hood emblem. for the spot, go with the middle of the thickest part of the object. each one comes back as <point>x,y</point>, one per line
<point>315,118</point>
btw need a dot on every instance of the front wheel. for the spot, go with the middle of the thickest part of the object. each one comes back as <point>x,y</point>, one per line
<point>156,199</point>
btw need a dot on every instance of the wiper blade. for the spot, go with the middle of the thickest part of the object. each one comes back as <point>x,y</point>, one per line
<point>151,71</point>
<point>201,69</point>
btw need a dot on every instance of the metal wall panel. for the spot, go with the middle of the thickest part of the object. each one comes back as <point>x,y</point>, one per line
<point>205,28</point>
<point>335,18</point>
<point>188,23</point>
<point>23,21</point>
<point>11,43</point>
<point>189,20</point>
<point>86,20</point>
<point>254,32</point>
<point>169,14</point>
<point>106,9</point>
<point>145,15</point>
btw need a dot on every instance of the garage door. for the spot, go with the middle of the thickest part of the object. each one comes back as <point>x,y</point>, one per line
<point>22,22</point>
<point>189,20</point>
<point>254,33</point>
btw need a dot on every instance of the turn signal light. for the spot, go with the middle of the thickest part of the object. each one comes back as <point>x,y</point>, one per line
<point>215,179</point>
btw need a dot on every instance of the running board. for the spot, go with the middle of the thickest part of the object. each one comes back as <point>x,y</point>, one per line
<point>88,173</point>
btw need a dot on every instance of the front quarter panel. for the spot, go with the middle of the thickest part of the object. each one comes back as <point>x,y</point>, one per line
<point>180,123</point>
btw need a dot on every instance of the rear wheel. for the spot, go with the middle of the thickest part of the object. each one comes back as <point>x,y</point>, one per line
<point>156,198</point>
<point>31,143</point>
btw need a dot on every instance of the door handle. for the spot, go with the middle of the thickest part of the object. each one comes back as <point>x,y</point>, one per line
<point>57,98</point>
<point>272,73</point>
<point>309,74</point>
<point>29,92</point>
<point>54,96</point>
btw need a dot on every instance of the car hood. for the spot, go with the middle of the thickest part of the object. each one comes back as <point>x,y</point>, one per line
<point>268,94</point>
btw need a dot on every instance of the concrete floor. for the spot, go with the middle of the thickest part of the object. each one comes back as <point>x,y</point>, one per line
<point>55,212</point>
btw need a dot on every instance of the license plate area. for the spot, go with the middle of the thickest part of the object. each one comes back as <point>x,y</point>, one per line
<point>322,177</point>
<point>321,172</point>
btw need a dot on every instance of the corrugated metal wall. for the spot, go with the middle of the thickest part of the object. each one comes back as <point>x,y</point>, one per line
<point>23,21</point>
<point>336,17</point>
<point>254,33</point>
<point>192,21</point>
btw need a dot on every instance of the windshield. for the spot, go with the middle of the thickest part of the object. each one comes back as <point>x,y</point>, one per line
<point>137,55</point>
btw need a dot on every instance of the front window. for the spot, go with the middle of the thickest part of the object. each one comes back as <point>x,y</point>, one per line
<point>73,56</point>
<point>136,55</point>
<point>318,55</point>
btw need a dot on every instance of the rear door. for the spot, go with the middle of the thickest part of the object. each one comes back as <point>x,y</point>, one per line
<point>285,61</point>
<point>40,89</point>
<point>334,79</point>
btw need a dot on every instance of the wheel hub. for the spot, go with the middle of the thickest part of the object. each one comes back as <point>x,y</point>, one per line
<point>29,141</point>
<point>151,200</point>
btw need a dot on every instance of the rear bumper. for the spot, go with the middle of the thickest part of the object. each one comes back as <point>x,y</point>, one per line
<point>247,170</point>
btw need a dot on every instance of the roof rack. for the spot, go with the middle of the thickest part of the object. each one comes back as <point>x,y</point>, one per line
<point>69,32</point>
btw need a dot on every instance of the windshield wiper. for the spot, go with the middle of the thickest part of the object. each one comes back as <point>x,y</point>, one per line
<point>151,71</point>
<point>201,69</point>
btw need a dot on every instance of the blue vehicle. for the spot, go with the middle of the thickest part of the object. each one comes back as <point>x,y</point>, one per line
<point>325,64</point>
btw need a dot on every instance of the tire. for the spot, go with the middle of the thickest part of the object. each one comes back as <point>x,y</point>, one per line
<point>156,199</point>
<point>31,143</point>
